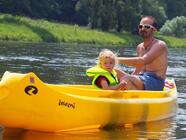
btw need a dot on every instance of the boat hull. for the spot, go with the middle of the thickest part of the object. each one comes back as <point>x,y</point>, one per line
<point>26,102</point>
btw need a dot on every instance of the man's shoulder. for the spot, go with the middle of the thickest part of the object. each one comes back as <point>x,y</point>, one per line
<point>161,43</point>
<point>140,45</point>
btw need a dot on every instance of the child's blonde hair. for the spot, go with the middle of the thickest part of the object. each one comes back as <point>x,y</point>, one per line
<point>105,53</point>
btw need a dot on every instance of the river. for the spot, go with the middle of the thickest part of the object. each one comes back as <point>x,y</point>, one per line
<point>60,63</point>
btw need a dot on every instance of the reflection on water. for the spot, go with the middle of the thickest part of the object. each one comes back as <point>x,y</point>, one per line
<point>66,64</point>
<point>155,130</point>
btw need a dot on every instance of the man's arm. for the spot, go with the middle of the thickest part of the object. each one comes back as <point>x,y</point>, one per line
<point>131,61</point>
<point>140,61</point>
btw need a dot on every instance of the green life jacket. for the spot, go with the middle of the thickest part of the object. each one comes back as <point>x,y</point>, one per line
<point>96,71</point>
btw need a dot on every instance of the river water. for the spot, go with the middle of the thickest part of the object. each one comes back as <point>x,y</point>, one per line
<point>59,63</point>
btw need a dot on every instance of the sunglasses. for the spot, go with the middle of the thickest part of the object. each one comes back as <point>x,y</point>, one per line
<point>145,26</point>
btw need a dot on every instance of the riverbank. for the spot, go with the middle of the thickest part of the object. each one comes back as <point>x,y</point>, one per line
<point>16,28</point>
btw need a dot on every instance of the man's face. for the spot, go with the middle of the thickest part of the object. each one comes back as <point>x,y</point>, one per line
<point>145,27</point>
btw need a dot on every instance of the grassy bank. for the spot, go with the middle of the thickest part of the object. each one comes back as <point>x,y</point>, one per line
<point>18,28</point>
<point>173,41</point>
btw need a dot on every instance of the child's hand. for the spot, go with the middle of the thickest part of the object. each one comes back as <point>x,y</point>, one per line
<point>122,85</point>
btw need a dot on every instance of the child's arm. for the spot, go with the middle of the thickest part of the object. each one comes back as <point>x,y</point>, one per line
<point>105,85</point>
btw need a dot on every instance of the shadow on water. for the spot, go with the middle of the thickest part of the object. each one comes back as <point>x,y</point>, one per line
<point>45,35</point>
<point>155,130</point>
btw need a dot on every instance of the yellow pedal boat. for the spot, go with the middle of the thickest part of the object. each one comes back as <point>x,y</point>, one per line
<point>27,102</point>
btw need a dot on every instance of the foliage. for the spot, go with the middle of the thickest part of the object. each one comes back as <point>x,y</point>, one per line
<point>121,15</point>
<point>174,8</point>
<point>31,8</point>
<point>25,29</point>
<point>175,27</point>
<point>106,15</point>
<point>172,41</point>
<point>154,8</point>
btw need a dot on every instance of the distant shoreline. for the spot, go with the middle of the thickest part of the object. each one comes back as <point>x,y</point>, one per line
<point>17,28</point>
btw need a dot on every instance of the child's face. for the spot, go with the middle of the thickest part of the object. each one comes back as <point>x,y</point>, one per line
<point>108,64</point>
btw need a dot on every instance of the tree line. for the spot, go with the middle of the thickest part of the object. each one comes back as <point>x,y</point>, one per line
<point>106,15</point>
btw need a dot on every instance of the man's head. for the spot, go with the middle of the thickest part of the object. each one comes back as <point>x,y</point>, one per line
<point>147,27</point>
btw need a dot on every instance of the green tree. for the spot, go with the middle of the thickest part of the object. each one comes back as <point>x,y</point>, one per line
<point>155,9</point>
<point>131,15</point>
<point>32,8</point>
<point>120,16</point>
<point>110,14</point>
<point>67,10</point>
<point>175,27</point>
<point>21,7</point>
<point>82,14</point>
<point>174,8</point>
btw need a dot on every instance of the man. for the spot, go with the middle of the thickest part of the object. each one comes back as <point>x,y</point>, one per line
<point>151,61</point>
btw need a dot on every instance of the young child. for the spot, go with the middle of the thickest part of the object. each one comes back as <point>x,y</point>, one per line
<point>104,74</point>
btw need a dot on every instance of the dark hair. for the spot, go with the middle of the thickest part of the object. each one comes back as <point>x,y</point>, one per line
<point>153,19</point>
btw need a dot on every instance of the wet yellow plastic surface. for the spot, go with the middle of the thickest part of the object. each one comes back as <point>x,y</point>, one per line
<point>26,102</point>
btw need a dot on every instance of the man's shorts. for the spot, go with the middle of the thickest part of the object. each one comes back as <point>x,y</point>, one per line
<point>152,81</point>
